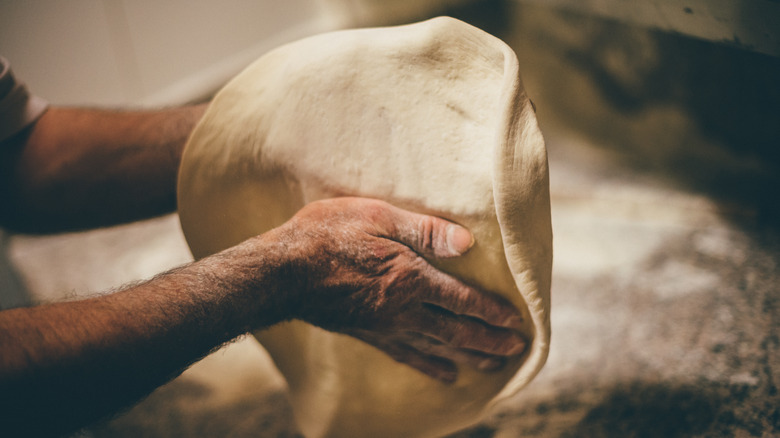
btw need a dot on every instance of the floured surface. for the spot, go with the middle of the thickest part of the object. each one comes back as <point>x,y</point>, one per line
<point>430,117</point>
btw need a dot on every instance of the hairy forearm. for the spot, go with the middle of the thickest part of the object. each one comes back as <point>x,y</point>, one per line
<point>348,265</point>
<point>64,365</point>
<point>82,168</point>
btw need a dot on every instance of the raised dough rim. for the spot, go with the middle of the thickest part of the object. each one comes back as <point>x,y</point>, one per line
<point>505,149</point>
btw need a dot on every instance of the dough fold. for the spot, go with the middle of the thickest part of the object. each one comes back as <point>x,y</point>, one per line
<point>431,117</point>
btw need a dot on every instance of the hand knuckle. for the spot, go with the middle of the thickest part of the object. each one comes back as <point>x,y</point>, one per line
<point>426,228</point>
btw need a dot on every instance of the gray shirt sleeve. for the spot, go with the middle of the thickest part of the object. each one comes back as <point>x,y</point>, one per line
<point>18,108</point>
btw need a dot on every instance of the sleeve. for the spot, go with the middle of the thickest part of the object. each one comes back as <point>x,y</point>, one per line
<point>18,108</point>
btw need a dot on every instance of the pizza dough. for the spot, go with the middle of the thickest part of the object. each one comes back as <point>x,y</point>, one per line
<point>431,117</point>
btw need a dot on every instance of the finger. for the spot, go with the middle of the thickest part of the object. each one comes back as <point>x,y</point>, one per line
<point>436,367</point>
<point>464,332</point>
<point>446,292</point>
<point>475,359</point>
<point>426,235</point>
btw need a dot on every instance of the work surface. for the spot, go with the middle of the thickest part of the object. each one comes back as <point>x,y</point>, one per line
<point>665,280</point>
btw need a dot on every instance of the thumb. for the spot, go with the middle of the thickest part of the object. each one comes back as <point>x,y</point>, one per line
<point>428,235</point>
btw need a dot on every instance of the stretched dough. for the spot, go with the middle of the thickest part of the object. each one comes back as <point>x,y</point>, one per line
<point>431,117</point>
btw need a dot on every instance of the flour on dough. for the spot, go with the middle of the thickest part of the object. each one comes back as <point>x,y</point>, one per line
<point>431,117</point>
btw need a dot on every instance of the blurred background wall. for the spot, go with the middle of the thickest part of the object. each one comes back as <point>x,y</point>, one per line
<point>120,52</point>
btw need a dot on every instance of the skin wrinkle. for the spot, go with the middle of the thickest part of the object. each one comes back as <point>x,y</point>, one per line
<point>425,237</point>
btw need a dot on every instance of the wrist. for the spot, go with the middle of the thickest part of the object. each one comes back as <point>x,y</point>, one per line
<point>256,281</point>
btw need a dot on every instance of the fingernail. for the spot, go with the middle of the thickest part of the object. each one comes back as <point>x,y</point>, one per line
<point>459,239</point>
<point>518,348</point>
<point>490,364</point>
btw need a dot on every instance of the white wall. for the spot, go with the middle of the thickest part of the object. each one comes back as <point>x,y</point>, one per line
<point>143,52</point>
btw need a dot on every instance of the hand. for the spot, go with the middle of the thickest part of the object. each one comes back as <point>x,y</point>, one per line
<point>361,272</point>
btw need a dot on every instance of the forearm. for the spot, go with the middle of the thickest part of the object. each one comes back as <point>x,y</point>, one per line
<point>81,168</point>
<point>66,364</point>
<point>342,264</point>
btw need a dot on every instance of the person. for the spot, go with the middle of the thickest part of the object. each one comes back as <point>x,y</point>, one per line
<point>350,265</point>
